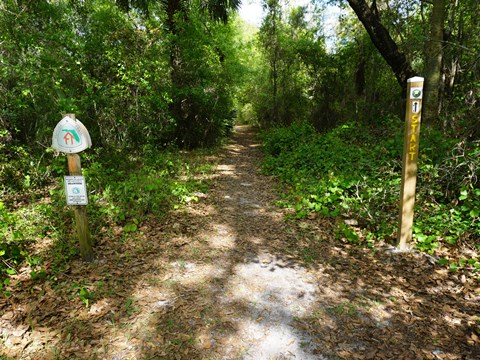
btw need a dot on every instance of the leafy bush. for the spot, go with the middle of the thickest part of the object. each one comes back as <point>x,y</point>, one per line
<point>354,171</point>
<point>281,140</point>
<point>11,250</point>
<point>126,189</point>
<point>123,189</point>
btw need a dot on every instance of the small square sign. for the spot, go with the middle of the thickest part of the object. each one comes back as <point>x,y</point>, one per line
<point>416,93</point>
<point>76,190</point>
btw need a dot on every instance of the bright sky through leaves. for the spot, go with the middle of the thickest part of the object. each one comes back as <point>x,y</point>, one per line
<point>252,12</point>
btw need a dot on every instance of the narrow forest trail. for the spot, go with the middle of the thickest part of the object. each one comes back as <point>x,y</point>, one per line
<point>260,290</point>
<point>230,277</point>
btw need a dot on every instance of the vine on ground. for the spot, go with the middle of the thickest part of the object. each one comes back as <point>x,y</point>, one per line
<point>353,172</point>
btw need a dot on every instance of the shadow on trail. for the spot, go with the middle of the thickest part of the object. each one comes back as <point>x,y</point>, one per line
<point>230,278</point>
<point>245,295</point>
<point>352,303</point>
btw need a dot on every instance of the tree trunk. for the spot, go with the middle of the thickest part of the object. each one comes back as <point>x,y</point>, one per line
<point>275,64</point>
<point>434,55</point>
<point>173,8</point>
<point>451,65</point>
<point>383,42</point>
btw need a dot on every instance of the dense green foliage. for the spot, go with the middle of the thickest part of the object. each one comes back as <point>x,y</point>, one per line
<point>123,192</point>
<point>112,69</point>
<point>307,75</point>
<point>354,172</point>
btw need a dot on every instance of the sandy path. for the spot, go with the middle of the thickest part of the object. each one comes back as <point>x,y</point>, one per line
<point>292,291</point>
<point>270,289</point>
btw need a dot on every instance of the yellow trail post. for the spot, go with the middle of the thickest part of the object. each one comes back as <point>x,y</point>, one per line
<point>410,156</point>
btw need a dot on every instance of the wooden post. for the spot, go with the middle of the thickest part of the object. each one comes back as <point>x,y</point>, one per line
<point>81,221</point>
<point>410,157</point>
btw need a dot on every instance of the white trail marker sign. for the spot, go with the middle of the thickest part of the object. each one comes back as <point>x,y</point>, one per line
<point>71,137</point>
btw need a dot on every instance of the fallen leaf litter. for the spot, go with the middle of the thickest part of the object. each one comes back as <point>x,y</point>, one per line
<point>230,277</point>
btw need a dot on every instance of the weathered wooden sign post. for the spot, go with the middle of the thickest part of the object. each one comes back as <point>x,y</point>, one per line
<point>71,137</point>
<point>410,157</point>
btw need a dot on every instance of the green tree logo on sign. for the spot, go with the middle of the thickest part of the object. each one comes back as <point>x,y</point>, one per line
<point>416,93</point>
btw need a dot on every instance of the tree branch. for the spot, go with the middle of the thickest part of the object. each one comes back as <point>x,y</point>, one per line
<point>383,41</point>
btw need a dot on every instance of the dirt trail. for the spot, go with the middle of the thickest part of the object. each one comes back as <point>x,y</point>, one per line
<point>284,289</point>
<point>270,288</point>
<point>229,277</point>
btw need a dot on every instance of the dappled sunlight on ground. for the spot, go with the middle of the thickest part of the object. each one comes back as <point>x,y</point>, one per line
<point>275,294</point>
<point>229,277</point>
<point>220,237</point>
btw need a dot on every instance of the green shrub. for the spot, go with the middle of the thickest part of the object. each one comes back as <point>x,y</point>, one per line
<point>123,189</point>
<point>286,139</point>
<point>354,171</point>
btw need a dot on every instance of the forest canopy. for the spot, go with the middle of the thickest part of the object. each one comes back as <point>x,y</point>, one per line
<point>177,72</point>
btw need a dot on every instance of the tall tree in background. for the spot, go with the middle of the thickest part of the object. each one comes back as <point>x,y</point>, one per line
<point>183,107</point>
<point>434,56</point>
<point>380,36</point>
<point>461,67</point>
<point>190,110</point>
<point>286,40</point>
<point>270,38</point>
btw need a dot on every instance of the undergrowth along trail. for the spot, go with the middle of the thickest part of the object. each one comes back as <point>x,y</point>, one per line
<point>233,276</point>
